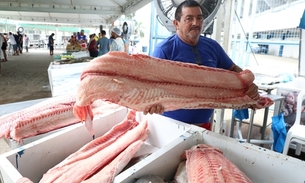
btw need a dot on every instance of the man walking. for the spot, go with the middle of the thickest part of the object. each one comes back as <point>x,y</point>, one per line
<point>51,43</point>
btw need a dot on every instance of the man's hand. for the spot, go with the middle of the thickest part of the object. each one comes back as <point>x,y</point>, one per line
<point>252,92</point>
<point>157,109</point>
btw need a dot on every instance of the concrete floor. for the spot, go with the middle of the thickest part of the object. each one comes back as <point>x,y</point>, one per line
<point>42,56</point>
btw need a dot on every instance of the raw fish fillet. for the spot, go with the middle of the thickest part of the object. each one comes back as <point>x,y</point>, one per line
<point>84,168</point>
<point>140,82</point>
<point>108,173</point>
<point>206,164</point>
<point>100,143</point>
<point>48,115</point>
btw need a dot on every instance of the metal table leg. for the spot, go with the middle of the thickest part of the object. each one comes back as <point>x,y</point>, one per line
<point>250,125</point>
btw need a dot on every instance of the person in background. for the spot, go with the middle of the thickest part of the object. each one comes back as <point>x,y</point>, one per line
<point>13,43</point>
<point>73,41</point>
<point>117,43</point>
<point>51,44</point>
<point>126,45</point>
<point>103,44</point>
<point>26,41</point>
<point>197,49</point>
<point>92,47</point>
<point>95,37</point>
<point>81,37</point>
<point>16,36</point>
<point>4,47</point>
<point>20,38</point>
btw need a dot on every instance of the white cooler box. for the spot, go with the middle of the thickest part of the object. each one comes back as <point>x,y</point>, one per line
<point>65,78</point>
<point>167,138</point>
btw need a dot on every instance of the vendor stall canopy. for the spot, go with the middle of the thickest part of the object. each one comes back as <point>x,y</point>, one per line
<point>87,13</point>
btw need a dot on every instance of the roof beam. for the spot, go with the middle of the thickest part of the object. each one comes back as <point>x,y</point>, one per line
<point>134,5</point>
<point>87,22</point>
<point>57,8</point>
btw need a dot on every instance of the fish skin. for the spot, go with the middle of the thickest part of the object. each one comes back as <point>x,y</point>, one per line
<point>140,82</point>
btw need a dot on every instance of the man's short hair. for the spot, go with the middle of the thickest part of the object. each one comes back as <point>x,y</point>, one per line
<point>103,32</point>
<point>187,3</point>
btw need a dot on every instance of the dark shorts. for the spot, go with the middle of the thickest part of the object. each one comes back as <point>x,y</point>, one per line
<point>14,47</point>
<point>4,46</point>
<point>94,53</point>
<point>51,48</point>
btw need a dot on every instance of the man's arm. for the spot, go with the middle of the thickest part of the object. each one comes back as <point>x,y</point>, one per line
<point>252,91</point>
<point>235,68</point>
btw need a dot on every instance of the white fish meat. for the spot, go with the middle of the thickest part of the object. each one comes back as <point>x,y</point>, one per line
<point>181,175</point>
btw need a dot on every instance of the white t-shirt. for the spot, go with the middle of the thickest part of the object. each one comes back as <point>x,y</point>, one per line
<point>117,45</point>
<point>12,39</point>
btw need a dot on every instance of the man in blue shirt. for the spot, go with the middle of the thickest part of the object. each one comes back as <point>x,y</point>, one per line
<point>187,45</point>
<point>103,44</point>
<point>82,37</point>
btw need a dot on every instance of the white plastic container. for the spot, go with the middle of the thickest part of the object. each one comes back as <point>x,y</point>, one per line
<point>169,138</point>
<point>65,78</point>
<point>34,159</point>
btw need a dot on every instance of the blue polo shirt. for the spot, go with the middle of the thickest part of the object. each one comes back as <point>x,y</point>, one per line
<point>207,52</point>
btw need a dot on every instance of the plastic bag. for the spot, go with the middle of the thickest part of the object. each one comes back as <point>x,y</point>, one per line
<point>241,114</point>
<point>279,132</point>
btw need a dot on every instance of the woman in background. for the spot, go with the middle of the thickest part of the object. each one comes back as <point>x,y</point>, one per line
<point>92,47</point>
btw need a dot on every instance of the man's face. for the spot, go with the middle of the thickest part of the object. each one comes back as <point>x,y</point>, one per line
<point>191,23</point>
<point>82,32</point>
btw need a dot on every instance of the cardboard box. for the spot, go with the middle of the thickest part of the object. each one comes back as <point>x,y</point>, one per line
<point>169,138</point>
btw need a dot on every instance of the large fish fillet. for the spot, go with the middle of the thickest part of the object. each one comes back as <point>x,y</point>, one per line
<point>48,115</point>
<point>108,173</point>
<point>85,168</point>
<point>105,140</point>
<point>206,164</point>
<point>140,82</point>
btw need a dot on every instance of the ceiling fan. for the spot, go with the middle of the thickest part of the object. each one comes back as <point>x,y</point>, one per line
<point>166,12</point>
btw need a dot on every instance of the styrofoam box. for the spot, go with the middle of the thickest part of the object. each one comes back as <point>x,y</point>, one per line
<point>168,139</point>
<point>65,78</point>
